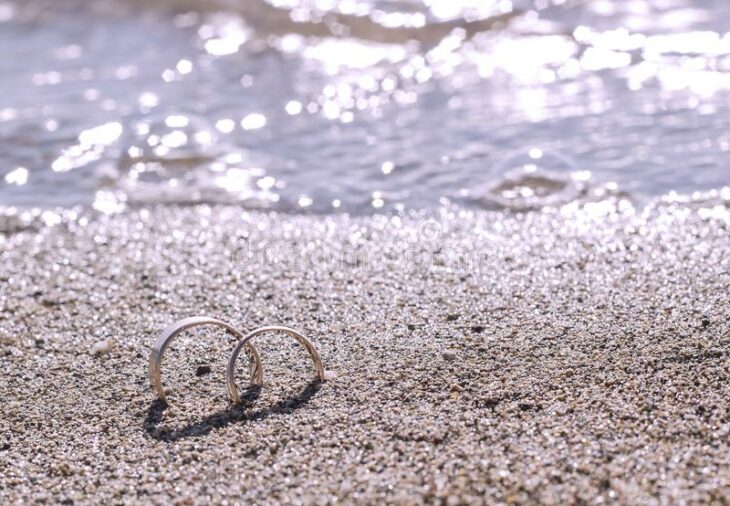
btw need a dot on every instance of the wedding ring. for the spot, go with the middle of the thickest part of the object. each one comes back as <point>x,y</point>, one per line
<point>171,332</point>
<point>231,370</point>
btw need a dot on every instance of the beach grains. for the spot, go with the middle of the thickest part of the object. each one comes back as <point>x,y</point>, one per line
<point>449,355</point>
<point>527,398</point>
<point>102,347</point>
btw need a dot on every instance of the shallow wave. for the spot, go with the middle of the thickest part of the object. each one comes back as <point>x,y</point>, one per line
<point>362,107</point>
<point>527,190</point>
<point>389,22</point>
<point>571,197</point>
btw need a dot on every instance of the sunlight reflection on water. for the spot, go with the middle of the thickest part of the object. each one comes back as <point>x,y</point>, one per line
<point>361,105</point>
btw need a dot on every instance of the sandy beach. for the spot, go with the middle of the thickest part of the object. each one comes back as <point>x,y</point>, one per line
<point>569,356</point>
<point>505,226</point>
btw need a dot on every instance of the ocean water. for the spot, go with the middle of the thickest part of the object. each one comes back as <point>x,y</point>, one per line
<point>361,106</point>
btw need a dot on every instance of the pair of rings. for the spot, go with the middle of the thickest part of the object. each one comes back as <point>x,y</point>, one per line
<point>256,370</point>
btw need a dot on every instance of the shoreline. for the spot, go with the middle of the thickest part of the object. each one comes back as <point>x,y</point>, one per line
<point>551,356</point>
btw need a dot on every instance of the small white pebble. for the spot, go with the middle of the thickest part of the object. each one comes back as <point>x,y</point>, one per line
<point>102,347</point>
<point>449,355</point>
<point>329,375</point>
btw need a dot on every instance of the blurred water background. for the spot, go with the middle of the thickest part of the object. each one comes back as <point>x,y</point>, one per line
<point>361,105</point>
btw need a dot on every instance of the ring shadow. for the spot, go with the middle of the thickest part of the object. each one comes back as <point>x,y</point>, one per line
<point>223,418</point>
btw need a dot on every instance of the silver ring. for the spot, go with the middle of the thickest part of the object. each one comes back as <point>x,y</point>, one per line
<point>231,371</point>
<point>169,334</point>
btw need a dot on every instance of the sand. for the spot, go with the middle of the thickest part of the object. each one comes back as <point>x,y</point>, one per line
<point>561,356</point>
